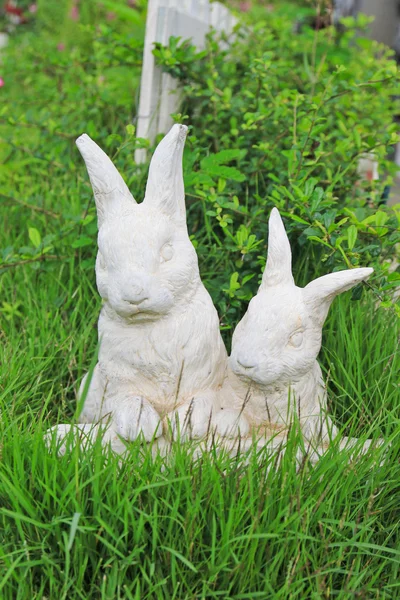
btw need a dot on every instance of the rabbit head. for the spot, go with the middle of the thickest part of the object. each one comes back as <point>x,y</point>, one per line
<point>279,337</point>
<point>146,262</point>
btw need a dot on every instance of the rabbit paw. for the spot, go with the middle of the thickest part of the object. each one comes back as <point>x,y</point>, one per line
<point>230,423</point>
<point>64,438</point>
<point>137,417</point>
<point>192,420</point>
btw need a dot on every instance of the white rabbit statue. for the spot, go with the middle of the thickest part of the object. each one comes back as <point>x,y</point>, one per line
<point>161,353</point>
<point>272,370</point>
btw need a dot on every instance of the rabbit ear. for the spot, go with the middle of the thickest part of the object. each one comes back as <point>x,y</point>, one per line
<point>278,270</point>
<point>165,190</point>
<point>319,293</point>
<point>110,190</point>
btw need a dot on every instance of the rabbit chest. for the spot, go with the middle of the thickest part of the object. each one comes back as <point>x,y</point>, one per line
<point>278,404</point>
<point>167,360</point>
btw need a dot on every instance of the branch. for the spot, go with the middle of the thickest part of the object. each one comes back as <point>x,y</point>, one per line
<point>31,206</point>
<point>40,258</point>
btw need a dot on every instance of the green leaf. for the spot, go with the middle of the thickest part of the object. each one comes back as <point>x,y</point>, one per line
<point>351,236</point>
<point>226,173</point>
<point>357,292</point>
<point>296,218</point>
<point>73,530</point>
<point>316,198</point>
<point>341,222</point>
<point>310,185</point>
<point>314,238</point>
<point>34,236</point>
<point>180,556</point>
<point>221,185</point>
<point>381,218</point>
<point>82,241</point>
<point>222,158</point>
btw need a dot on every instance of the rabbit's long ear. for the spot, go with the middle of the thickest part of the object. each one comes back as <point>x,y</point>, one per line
<point>278,270</point>
<point>165,190</point>
<point>318,294</point>
<point>110,190</point>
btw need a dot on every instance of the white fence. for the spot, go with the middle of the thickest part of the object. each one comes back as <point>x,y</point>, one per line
<point>159,92</point>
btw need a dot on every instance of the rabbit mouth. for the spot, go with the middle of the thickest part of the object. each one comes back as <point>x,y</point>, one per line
<point>135,304</point>
<point>146,308</point>
<point>131,307</point>
<point>243,368</point>
<point>134,310</point>
<point>249,372</point>
<point>246,365</point>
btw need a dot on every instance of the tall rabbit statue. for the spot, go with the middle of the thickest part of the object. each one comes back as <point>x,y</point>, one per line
<point>273,369</point>
<point>161,355</point>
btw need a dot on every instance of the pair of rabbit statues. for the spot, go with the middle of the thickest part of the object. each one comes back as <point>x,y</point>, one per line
<point>163,369</point>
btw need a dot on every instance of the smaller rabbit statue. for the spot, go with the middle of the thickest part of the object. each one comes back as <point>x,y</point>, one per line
<point>161,353</point>
<point>273,369</point>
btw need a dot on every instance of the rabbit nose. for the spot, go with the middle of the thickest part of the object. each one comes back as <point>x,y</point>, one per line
<point>136,294</point>
<point>245,362</point>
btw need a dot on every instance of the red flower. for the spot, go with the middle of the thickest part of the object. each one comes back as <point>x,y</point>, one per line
<point>16,14</point>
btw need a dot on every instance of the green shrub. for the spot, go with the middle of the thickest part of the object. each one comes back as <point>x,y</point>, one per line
<point>281,119</point>
<point>56,86</point>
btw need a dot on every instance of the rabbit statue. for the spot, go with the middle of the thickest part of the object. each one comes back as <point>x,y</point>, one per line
<point>272,369</point>
<point>161,354</point>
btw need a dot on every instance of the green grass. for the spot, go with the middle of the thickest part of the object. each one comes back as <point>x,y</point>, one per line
<point>89,526</point>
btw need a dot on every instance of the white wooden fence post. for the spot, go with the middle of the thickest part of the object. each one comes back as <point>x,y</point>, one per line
<point>159,92</point>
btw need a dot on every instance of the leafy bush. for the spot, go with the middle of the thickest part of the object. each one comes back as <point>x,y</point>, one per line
<point>56,86</point>
<point>281,119</point>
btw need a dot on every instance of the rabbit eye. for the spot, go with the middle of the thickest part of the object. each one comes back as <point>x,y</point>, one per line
<point>297,339</point>
<point>167,252</point>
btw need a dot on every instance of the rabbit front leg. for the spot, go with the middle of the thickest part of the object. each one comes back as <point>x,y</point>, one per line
<point>193,418</point>
<point>230,423</point>
<point>64,438</point>
<point>325,433</point>
<point>131,414</point>
<point>93,393</point>
<point>202,415</point>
